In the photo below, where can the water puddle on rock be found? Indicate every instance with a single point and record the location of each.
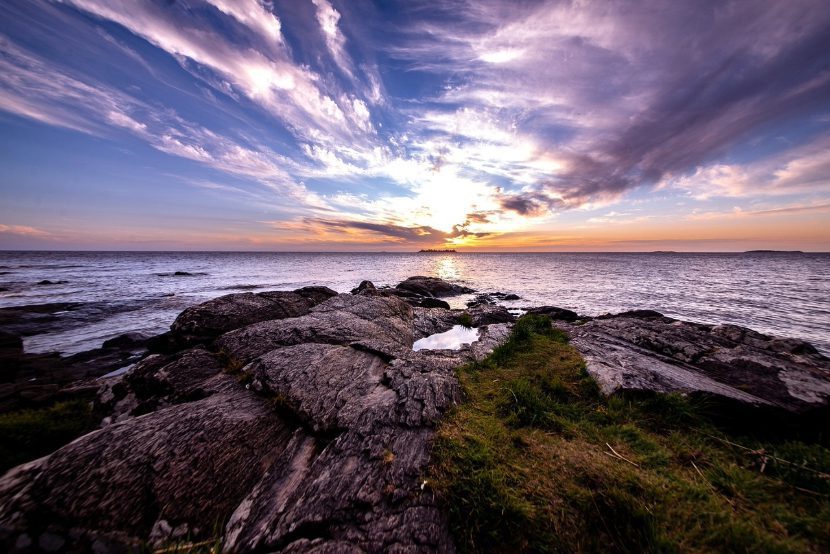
(453, 339)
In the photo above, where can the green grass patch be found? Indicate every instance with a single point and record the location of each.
(465, 320)
(537, 460)
(32, 433)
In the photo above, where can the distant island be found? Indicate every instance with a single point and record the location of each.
(773, 252)
(438, 251)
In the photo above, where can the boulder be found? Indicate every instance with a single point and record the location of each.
(429, 321)
(556, 314)
(433, 303)
(382, 323)
(366, 288)
(126, 340)
(486, 314)
(432, 286)
(206, 321)
(643, 350)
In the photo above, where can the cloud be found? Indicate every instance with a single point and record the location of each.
(802, 169)
(623, 94)
(737, 213)
(268, 76)
(32, 88)
(328, 19)
(24, 230)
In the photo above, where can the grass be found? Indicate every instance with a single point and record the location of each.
(537, 460)
(465, 320)
(32, 433)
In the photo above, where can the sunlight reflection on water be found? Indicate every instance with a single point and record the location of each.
(446, 268)
(448, 340)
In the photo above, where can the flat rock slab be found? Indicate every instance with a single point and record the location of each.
(645, 351)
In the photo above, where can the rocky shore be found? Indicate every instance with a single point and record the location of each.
(302, 421)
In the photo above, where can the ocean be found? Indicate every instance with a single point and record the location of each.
(785, 294)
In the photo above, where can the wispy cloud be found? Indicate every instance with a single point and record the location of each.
(24, 230)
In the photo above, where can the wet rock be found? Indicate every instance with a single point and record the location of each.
(126, 340)
(46, 282)
(432, 286)
(642, 350)
(491, 298)
(556, 314)
(11, 345)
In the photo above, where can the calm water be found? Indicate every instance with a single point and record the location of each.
(783, 294)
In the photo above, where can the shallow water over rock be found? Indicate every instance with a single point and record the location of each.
(453, 339)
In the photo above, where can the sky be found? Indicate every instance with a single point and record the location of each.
(497, 125)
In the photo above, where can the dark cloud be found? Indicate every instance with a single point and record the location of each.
(528, 203)
(721, 94)
(390, 230)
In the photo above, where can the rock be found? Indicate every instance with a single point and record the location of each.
(556, 314)
(383, 322)
(11, 345)
(638, 314)
(205, 322)
(48, 282)
(512, 297)
(183, 274)
(159, 381)
(429, 321)
(642, 350)
(432, 286)
(126, 340)
(323, 450)
(484, 315)
(316, 294)
(365, 288)
(192, 463)
(433, 303)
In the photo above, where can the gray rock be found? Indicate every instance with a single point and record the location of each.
(316, 294)
(156, 382)
(366, 288)
(486, 314)
(643, 350)
(383, 323)
(432, 303)
(191, 463)
(429, 321)
(556, 314)
(205, 322)
(431, 286)
(323, 450)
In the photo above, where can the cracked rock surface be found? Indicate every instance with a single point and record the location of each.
(643, 350)
(307, 429)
